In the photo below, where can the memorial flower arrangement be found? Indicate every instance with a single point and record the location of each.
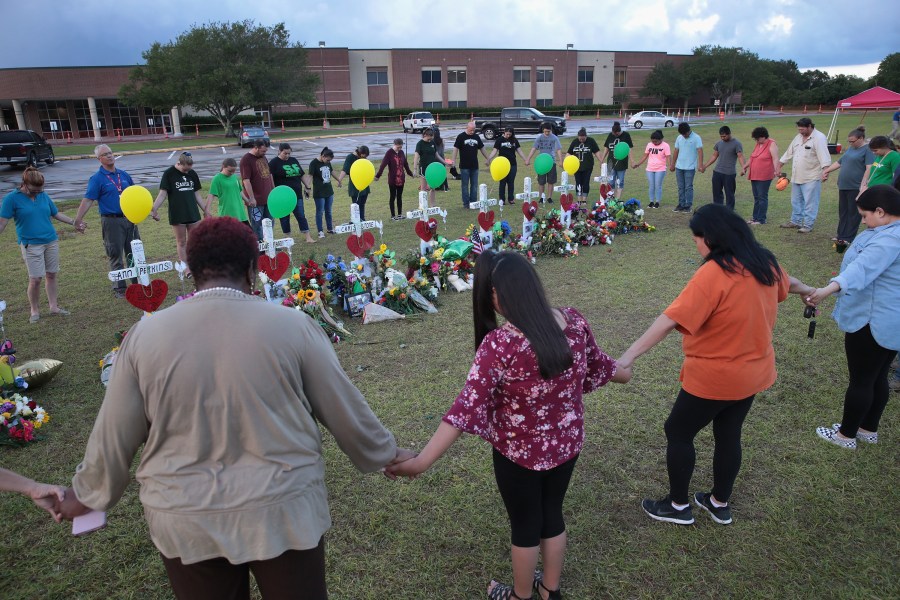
(627, 216)
(590, 226)
(552, 238)
(305, 291)
(20, 419)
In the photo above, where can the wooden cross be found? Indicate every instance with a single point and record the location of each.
(564, 187)
(487, 235)
(527, 195)
(141, 270)
(269, 244)
(423, 214)
(356, 226)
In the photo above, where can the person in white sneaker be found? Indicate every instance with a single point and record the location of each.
(868, 290)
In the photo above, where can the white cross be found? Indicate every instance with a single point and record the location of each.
(527, 195)
(141, 270)
(269, 244)
(564, 185)
(422, 214)
(356, 226)
(487, 236)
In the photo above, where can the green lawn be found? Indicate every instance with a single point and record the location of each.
(811, 520)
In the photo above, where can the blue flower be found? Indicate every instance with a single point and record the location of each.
(328, 276)
(20, 382)
(330, 257)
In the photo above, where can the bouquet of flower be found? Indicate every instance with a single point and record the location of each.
(335, 277)
(20, 418)
(627, 216)
(551, 237)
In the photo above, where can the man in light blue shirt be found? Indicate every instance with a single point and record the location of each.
(686, 158)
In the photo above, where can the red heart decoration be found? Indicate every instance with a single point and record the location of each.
(604, 190)
(486, 220)
(274, 268)
(426, 229)
(358, 244)
(529, 209)
(147, 297)
(566, 201)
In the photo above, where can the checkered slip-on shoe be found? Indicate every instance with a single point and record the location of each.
(870, 438)
(829, 434)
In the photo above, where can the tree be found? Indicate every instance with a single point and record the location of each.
(721, 71)
(223, 68)
(888, 74)
(668, 83)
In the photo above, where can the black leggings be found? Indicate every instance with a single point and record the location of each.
(396, 192)
(533, 499)
(868, 392)
(689, 415)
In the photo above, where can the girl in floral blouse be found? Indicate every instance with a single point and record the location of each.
(524, 396)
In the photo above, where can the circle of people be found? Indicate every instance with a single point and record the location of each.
(247, 493)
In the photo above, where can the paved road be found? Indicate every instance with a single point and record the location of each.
(67, 179)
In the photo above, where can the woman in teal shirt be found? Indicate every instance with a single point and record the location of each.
(31, 208)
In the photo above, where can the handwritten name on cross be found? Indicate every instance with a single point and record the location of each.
(564, 187)
(527, 196)
(141, 270)
(482, 204)
(356, 227)
(269, 244)
(423, 214)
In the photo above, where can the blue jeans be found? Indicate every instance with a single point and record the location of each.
(508, 185)
(617, 179)
(724, 182)
(805, 203)
(760, 199)
(469, 185)
(655, 180)
(300, 214)
(323, 205)
(685, 180)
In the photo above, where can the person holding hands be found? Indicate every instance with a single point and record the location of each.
(547, 143)
(44, 495)
(524, 395)
(656, 153)
(868, 290)
(760, 170)
(398, 168)
(727, 152)
(181, 185)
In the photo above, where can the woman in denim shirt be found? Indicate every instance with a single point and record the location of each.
(868, 289)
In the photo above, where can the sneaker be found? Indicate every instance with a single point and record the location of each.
(719, 514)
(542, 200)
(395, 218)
(678, 208)
(871, 438)
(829, 434)
(331, 231)
(804, 230)
(662, 510)
(321, 234)
(789, 225)
(656, 205)
(549, 200)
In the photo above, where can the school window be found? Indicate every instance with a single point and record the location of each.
(432, 105)
(619, 79)
(456, 75)
(544, 75)
(431, 75)
(378, 105)
(521, 75)
(544, 102)
(585, 101)
(456, 104)
(376, 77)
(525, 102)
(585, 74)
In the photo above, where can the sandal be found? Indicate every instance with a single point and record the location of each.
(539, 583)
(502, 591)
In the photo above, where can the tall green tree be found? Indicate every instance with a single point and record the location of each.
(888, 74)
(721, 71)
(223, 68)
(668, 83)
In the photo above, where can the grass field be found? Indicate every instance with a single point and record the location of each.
(811, 520)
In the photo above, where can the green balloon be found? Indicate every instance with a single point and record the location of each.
(620, 152)
(282, 201)
(543, 164)
(435, 175)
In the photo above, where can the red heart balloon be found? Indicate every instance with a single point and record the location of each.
(566, 201)
(274, 268)
(604, 190)
(486, 220)
(147, 297)
(426, 229)
(529, 209)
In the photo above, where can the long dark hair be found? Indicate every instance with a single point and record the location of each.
(732, 245)
(521, 296)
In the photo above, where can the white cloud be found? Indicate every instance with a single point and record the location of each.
(693, 27)
(777, 25)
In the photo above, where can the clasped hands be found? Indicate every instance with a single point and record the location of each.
(404, 464)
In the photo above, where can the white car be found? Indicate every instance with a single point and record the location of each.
(651, 118)
(417, 121)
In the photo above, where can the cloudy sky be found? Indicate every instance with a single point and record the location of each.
(833, 35)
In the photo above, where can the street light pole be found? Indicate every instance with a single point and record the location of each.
(568, 47)
(324, 97)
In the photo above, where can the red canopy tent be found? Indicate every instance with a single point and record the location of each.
(876, 97)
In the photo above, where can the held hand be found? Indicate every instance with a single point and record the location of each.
(154, 214)
(672, 169)
(411, 468)
(402, 456)
(70, 507)
(80, 227)
(817, 295)
(48, 497)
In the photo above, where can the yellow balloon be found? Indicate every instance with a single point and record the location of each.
(136, 203)
(571, 164)
(362, 173)
(500, 168)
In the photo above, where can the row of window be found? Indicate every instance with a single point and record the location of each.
(54, 117)
(585, 75)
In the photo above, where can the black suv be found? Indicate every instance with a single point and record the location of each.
(26, 148)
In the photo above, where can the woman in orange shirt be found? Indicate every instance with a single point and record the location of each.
(726, 314)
